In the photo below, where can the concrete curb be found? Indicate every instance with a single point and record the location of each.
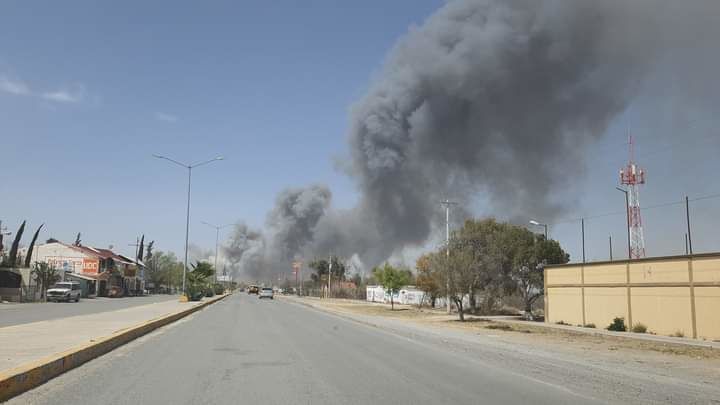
(28, 376)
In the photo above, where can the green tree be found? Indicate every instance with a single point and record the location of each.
(392, 279)
(530, 255)
(28, 257)
(198, 280)
(321, 269)
(44, 276)
(164, 269)
(12, 257)
(149, 251)
(141, 249)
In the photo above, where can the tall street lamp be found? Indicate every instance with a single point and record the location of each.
(627, 214)
(187, 217)
(217, 241)
(536, 223)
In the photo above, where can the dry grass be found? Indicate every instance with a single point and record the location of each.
(556, 336)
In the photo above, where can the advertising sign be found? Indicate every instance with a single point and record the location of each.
(91, 266)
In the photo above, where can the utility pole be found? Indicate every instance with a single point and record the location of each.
(582, 225)
(447, 204)
(687, 214)
(329, 275)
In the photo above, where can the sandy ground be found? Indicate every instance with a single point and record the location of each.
(706, 361)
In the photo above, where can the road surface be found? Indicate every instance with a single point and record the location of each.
(243, 350)
(16, 314)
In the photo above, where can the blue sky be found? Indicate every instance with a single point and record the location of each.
(90, 89)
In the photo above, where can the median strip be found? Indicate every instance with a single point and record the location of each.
(27, 376)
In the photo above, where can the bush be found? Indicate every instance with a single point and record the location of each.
(500, 326)
(562, 323)
(590, 325)
(618, 325)
(639, 328)
(219, 289)
(209, 292)
(678, 333)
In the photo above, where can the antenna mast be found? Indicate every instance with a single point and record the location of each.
(632, 176)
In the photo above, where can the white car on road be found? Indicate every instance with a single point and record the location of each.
(266, 292)
(64, 291)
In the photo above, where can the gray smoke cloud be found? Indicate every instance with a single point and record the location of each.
(490, 98)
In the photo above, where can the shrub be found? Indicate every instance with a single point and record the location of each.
(639, 328)
(618, 325)
(678, 333)
(562, 323)
(219, 288)
(590, 325)
(500, 326)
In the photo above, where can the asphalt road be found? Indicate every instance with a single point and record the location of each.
(16, 314)
(243, 350)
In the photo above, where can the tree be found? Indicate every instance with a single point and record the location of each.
(164, 269)
(149, 251)
(392, 279)
(321, 269)
(456, 273)
(44, 276)
(141, 249)
(28, 257)
(78, 242)
(198, 280)
(532, 252)
(425, 280)
(12, 257)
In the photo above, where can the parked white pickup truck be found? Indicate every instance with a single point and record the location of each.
(64, 291)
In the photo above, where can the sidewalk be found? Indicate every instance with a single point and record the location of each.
(30, 342)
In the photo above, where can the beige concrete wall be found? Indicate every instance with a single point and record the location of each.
(605, 274)
(664, 310)
(660, 291)
(707, 310)
(568, 275)
(672, 271)
(603, 304)
(566, 305)
(706, 270)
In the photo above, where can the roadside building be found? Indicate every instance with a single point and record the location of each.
(97, 270)
(408, 295)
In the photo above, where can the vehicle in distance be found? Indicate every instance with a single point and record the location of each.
(64, 291)
(253, 289)
(266, 292)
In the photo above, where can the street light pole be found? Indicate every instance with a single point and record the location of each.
(187, 215)
(627, 214)
(545, 226)
(447, 204)
(217, 242)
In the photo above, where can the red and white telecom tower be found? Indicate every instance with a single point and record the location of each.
(632, 176)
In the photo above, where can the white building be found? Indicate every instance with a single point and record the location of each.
(97, 269)
(408, 295)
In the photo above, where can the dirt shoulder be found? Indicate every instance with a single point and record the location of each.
(524, 332)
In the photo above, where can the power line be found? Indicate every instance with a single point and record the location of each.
(649, 207)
